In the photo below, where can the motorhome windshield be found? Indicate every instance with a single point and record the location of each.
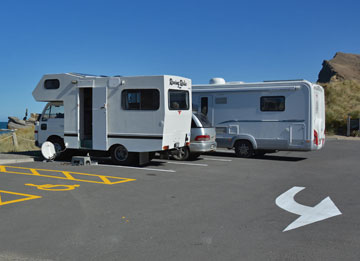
(178, 100)
(53, 111)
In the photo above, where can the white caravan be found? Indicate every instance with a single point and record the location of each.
(256, 118)
(125, 116)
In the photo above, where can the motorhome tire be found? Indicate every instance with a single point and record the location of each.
(121, 156)
(244, 149)
(183, 154)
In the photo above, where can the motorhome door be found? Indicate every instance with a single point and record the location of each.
(207, 108)
(99, 117)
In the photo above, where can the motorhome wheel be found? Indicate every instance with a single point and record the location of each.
(244, 149)
(183, 154)
(120, 155)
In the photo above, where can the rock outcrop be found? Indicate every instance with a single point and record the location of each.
(344, 66)
(16, 123)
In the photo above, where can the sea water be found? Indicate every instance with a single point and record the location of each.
(3, 125)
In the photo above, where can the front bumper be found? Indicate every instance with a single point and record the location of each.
(203, 146)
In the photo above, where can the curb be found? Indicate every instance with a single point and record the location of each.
(12, 161)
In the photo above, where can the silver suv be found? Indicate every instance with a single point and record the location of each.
(202, 138)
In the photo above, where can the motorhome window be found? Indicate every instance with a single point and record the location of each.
(141, 99)
(272, 103)
(204, 120)
(54, 112)
(178, 100)
(204, 105)
(52, 84)
(221, 100)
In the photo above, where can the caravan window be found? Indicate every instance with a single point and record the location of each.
(178, 100)
(53, 111)
(140, 99)
(52, 84)
(272, 103)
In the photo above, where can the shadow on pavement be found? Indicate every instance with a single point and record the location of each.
(265, 157)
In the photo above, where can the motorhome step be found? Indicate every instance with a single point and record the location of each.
(80, 160)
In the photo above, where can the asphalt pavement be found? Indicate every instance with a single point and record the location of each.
(216, 208)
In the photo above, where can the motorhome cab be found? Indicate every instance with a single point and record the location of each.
(126, 116)
(256, 118)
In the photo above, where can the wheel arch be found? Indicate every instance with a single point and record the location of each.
(53, 138)
(246, 137)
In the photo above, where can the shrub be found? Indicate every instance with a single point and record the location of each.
(25, 138)
(342, 98)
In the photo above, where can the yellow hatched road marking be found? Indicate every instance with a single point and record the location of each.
(68, 175)
(34, 172)
(26, 197)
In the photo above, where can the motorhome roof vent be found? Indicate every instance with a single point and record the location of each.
(217, 81)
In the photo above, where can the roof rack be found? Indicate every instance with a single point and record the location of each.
(293, 80)
(87, 75)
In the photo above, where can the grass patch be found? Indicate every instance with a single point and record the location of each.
(25, 138)
(341, 99)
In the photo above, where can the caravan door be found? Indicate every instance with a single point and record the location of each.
(99, 117)
(207, 108)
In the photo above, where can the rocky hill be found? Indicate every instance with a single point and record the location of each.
(344, 66)
(340, 78)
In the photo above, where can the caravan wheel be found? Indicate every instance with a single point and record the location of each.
(120, 155)
(244, 149)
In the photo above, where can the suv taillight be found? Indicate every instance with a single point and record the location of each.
(202, 138)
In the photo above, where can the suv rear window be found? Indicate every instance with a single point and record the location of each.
(203, 120)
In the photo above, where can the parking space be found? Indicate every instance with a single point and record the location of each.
(218, 207)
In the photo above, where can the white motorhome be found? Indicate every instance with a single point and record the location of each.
(125, 116)
(257, 118)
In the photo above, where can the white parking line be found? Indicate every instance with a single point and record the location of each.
(217, 159)
(183, 163)
(127, 167)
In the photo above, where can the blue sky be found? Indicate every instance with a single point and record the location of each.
(237, 40)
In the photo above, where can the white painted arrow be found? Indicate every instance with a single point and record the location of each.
(325, 209)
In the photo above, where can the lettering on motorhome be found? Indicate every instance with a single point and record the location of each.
(178, 83)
